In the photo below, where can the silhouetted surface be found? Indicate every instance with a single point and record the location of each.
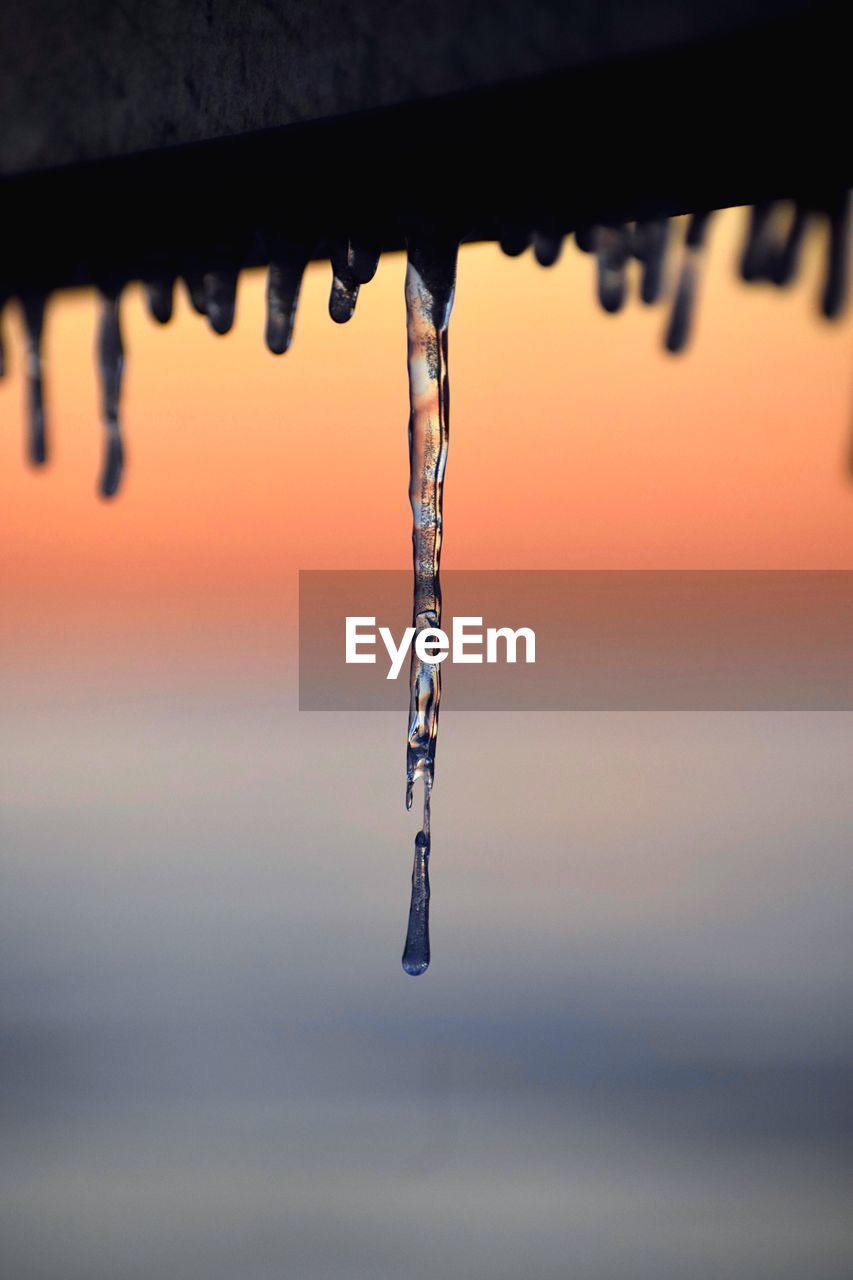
(99, 79)
(553, 116)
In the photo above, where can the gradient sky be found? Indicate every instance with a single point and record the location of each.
(575, 441)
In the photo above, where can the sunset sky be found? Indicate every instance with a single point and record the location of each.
(575, 443)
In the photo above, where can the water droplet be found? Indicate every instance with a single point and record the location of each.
(111, 367)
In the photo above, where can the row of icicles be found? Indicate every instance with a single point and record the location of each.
(771, 254)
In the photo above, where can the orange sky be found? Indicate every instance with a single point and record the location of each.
(574, 443)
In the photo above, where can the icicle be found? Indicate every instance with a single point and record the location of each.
(159, 294)
(547, 247)
(283, 284)
(586, 239)
(342, 298)
(220, 298)
(345, 286)
(111, 367)
(33, 305)
(651, 240)
(681, 317)
(362, 258)
(758, 251)
(786, 260)
(354, 263)
(514, 242)
(611, 251)
(834, 295)
(416, 950)
(196, 291)
(430, 285)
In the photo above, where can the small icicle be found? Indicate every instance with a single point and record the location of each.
(416, 950)
(611, 252)
(586, 238)
(786, 260)
(196, 291)
(345, 286)
(159, 294)
(834, 296)
(514, 242)
(342, 298)
(283, 284)
(547, 247)
(758, 251)
(681, 317)
(651, 241)
(220, 298)
(33, 306)
(111, 367)
(362, 258)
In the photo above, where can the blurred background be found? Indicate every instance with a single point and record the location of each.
(632, 1051)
